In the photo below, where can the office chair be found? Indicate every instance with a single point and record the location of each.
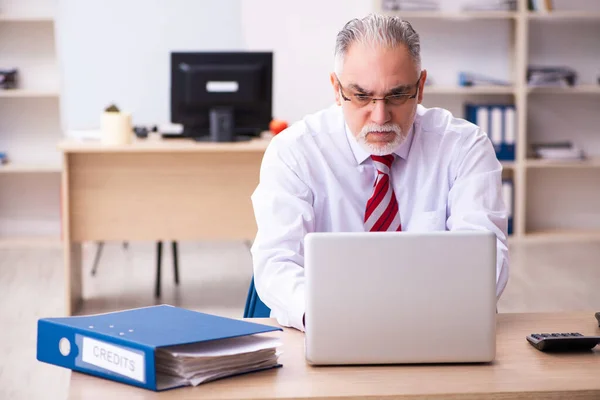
(255, 308)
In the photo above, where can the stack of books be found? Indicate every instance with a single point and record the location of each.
(540, 5)
(558, 151)
(551, 76)
(409, 5)
(490, 5)
(159, 347)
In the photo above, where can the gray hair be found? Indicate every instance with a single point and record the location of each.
(375, 29)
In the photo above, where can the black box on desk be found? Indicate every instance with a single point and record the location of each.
(8, 78)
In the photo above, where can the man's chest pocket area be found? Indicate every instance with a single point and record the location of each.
(427, 221)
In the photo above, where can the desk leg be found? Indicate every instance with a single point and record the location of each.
(73, 277)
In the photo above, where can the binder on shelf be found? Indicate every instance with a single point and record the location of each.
(158, 347)
(499, 122)
(508, 196)
(467, 79)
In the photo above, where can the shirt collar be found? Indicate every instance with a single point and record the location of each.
(361, 154)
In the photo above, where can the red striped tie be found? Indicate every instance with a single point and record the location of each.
(382, 208)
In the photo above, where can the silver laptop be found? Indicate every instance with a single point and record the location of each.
(400, 297)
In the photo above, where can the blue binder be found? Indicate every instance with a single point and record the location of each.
(500, 123)
(121, 345)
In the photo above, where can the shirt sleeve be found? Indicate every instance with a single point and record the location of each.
(284, 215)
(475, 199)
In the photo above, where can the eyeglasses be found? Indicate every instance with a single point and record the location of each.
(394, 100)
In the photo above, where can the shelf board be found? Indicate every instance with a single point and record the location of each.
(16, 168)
(508, 164)
(451, 15)
(30, 242)
(26, 18)
(578, 89)
(435, 89)
(564, 15)
(564, 235)
(17, 93)
(593, 162)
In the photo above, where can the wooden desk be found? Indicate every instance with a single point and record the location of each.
(155, 190)
(520, 371)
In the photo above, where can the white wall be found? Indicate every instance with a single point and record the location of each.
(119, 51)
(303, 39)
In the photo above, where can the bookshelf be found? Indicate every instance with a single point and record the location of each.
(32, 93)
(30, 124)
(26, 18)
(542, 210)
(15, 168)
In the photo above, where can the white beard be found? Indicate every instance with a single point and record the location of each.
(382, 149)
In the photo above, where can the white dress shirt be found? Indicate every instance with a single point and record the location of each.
(315, 177)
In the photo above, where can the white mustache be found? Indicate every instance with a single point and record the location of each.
(379, 128)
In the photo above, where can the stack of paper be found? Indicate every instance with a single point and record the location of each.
(551, 76)
(558, 151)
(196, 363)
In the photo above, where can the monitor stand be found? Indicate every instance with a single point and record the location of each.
(221, 124)
(237, 138)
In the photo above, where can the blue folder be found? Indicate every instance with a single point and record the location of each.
(502, 135)
(121, 345)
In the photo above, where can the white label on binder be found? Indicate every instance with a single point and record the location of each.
(482, 119)
(113, 358)
(508, 197)
(496, 128)
(509, 125)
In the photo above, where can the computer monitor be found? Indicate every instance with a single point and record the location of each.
(222, 96)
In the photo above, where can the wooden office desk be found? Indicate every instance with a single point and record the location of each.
(155, 190)
(520, 371)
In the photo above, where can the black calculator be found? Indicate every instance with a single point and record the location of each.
(570, 341)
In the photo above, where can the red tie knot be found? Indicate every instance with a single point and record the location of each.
(386, 160)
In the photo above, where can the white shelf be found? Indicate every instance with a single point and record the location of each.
(435, 89)
(30, 242)
(28, 43)
(459, 15)
(593, 162)
(15, 168)
(564, 15)
(578, 89)
(27, 93)
(26, 18)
